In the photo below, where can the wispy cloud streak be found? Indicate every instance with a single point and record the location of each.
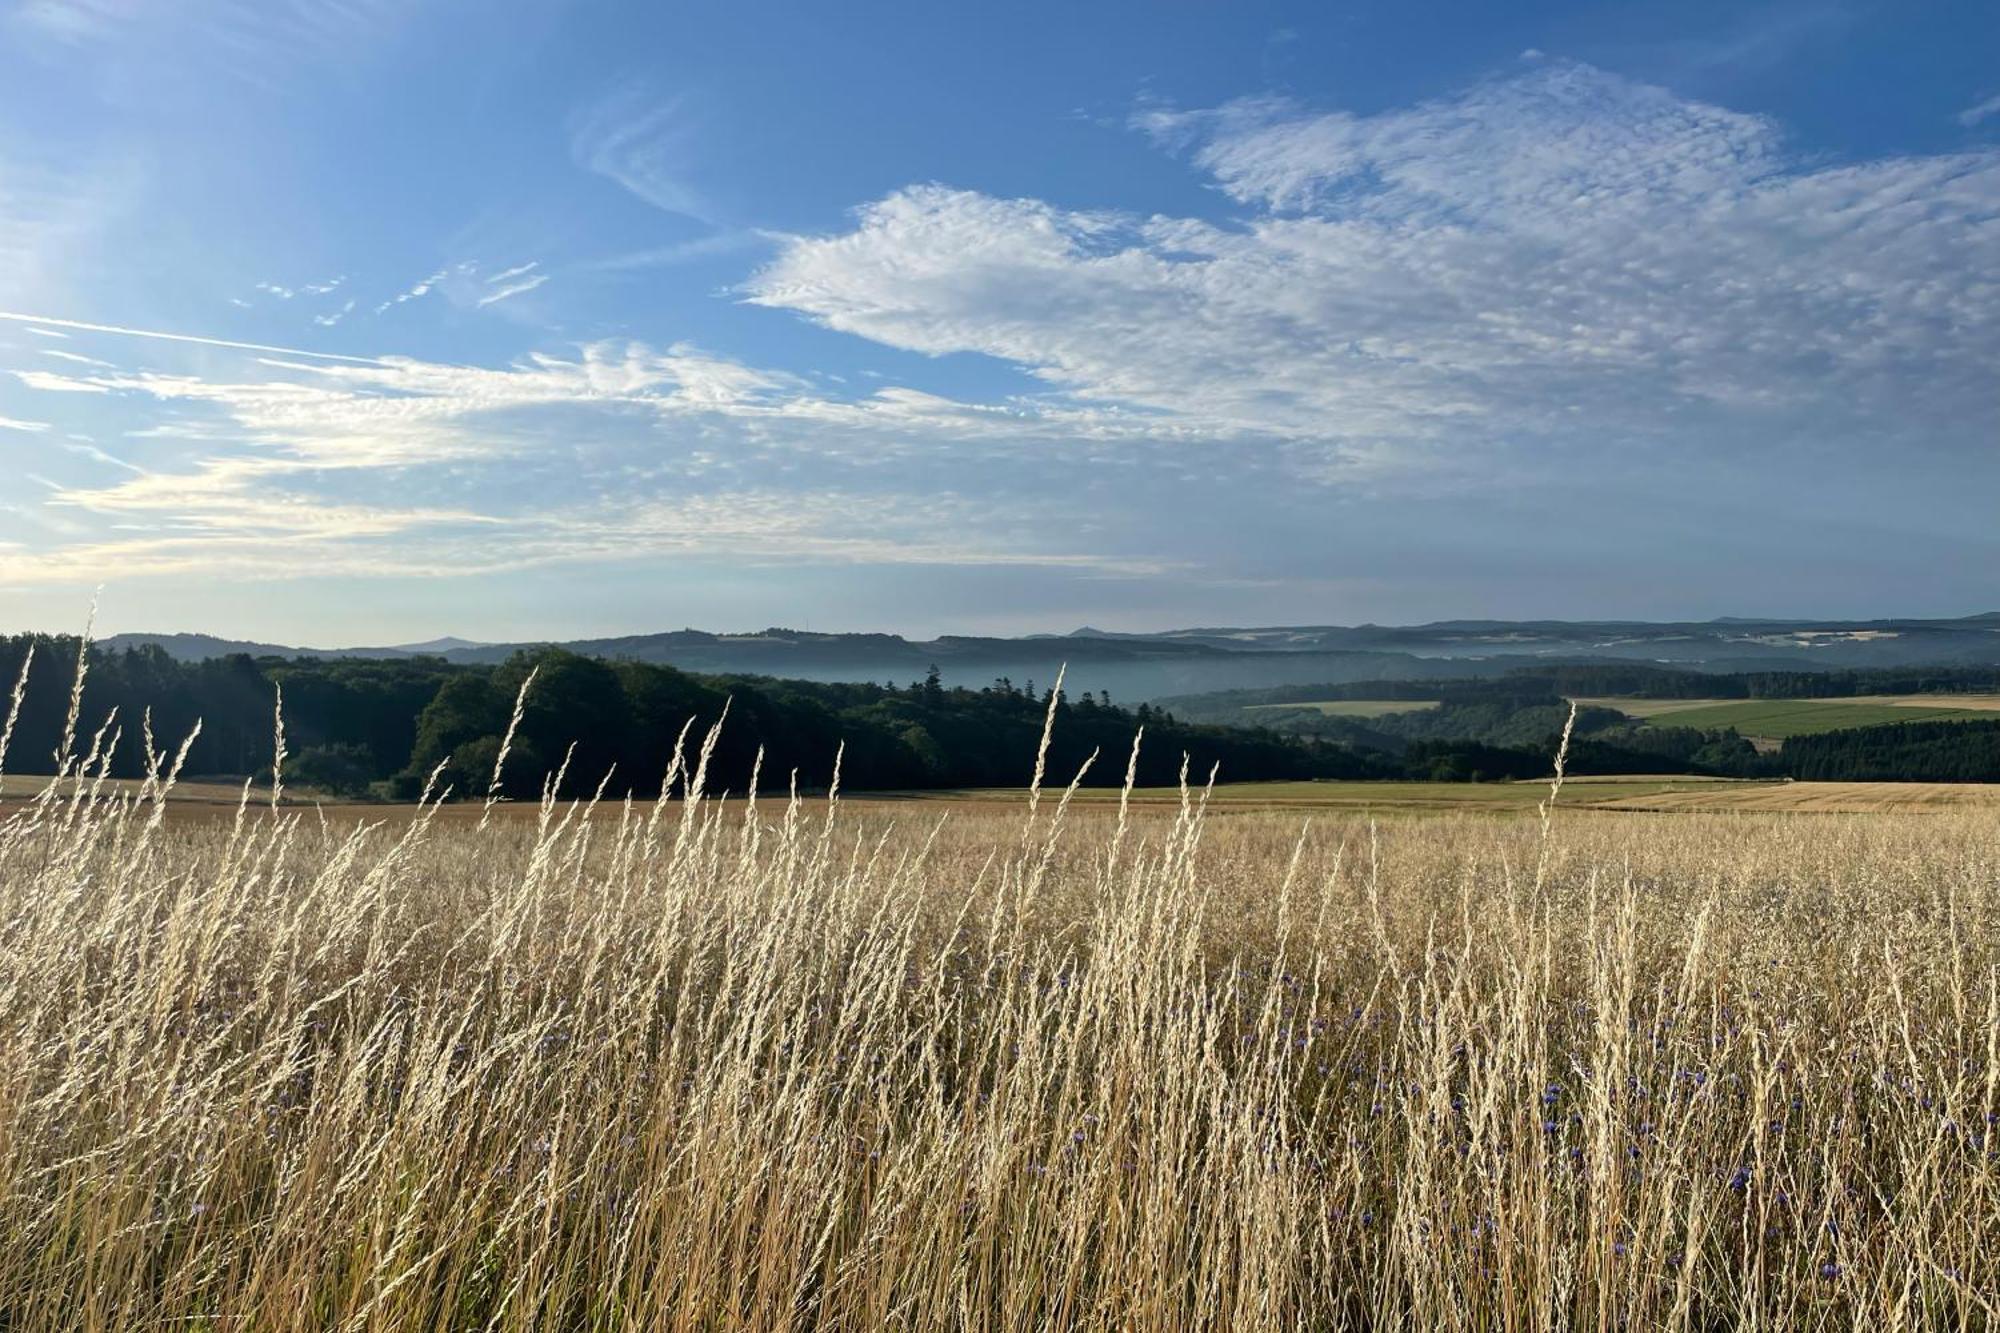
(1980, 111)
(514, 289)
(646, 145)
(334, 317)
(159, 336)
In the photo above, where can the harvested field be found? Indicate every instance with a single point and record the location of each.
(1821, 797)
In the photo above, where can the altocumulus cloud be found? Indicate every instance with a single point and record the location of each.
(1560, 257)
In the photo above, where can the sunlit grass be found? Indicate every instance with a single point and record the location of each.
(696, 1066)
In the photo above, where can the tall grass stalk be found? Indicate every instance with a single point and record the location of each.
(826, 1066)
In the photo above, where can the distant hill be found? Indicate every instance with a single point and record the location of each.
(1786, 643)
(201, 647)
(1136, 666)
(435, 647)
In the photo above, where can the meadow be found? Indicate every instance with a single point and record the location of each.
(1028, 1064)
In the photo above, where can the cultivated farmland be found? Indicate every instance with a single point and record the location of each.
(1775, 719)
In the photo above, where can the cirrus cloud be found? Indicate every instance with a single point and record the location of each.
(616, 451)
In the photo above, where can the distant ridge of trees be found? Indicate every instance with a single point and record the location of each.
(1614, 680)
(361, 726)
(357, 725)
(1520, 712)
(1898, 752)
(1643, 682)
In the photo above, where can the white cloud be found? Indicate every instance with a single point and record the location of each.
(1561, 256)
(748, 529)
(1979, 111)
(123, 331)
(15, 423)
(514, 289)
(334, 317)
(514, 272)
(75, 358)
(272, 289)
(422, 288)
(79, 445)
(50, 382)
(620, 450)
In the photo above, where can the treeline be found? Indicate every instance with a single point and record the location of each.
(1517, 734)
(627, 717)
(358, 727)
(1508, 727)
(1476, 741)
(1651, 682)
(370, 706)
(381, 728)
(1608, 680)
(1898, 752)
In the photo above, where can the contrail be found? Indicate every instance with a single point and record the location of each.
(183, 338)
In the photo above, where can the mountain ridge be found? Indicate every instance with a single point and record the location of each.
(1221, 657)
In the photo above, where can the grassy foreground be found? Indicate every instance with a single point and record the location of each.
(1027, 1067)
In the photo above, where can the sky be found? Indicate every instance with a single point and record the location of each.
(367, 321)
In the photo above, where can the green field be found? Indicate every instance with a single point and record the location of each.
(1354, 707)
(1776, 719)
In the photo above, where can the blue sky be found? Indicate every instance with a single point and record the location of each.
(548, 320)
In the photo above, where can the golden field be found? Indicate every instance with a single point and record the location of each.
(213, 800)
(995, 1065)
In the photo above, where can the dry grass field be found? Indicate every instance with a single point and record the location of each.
(1682, 794)
(210, 796)
(212, 801)
(983, 1065)
(1822, 798)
